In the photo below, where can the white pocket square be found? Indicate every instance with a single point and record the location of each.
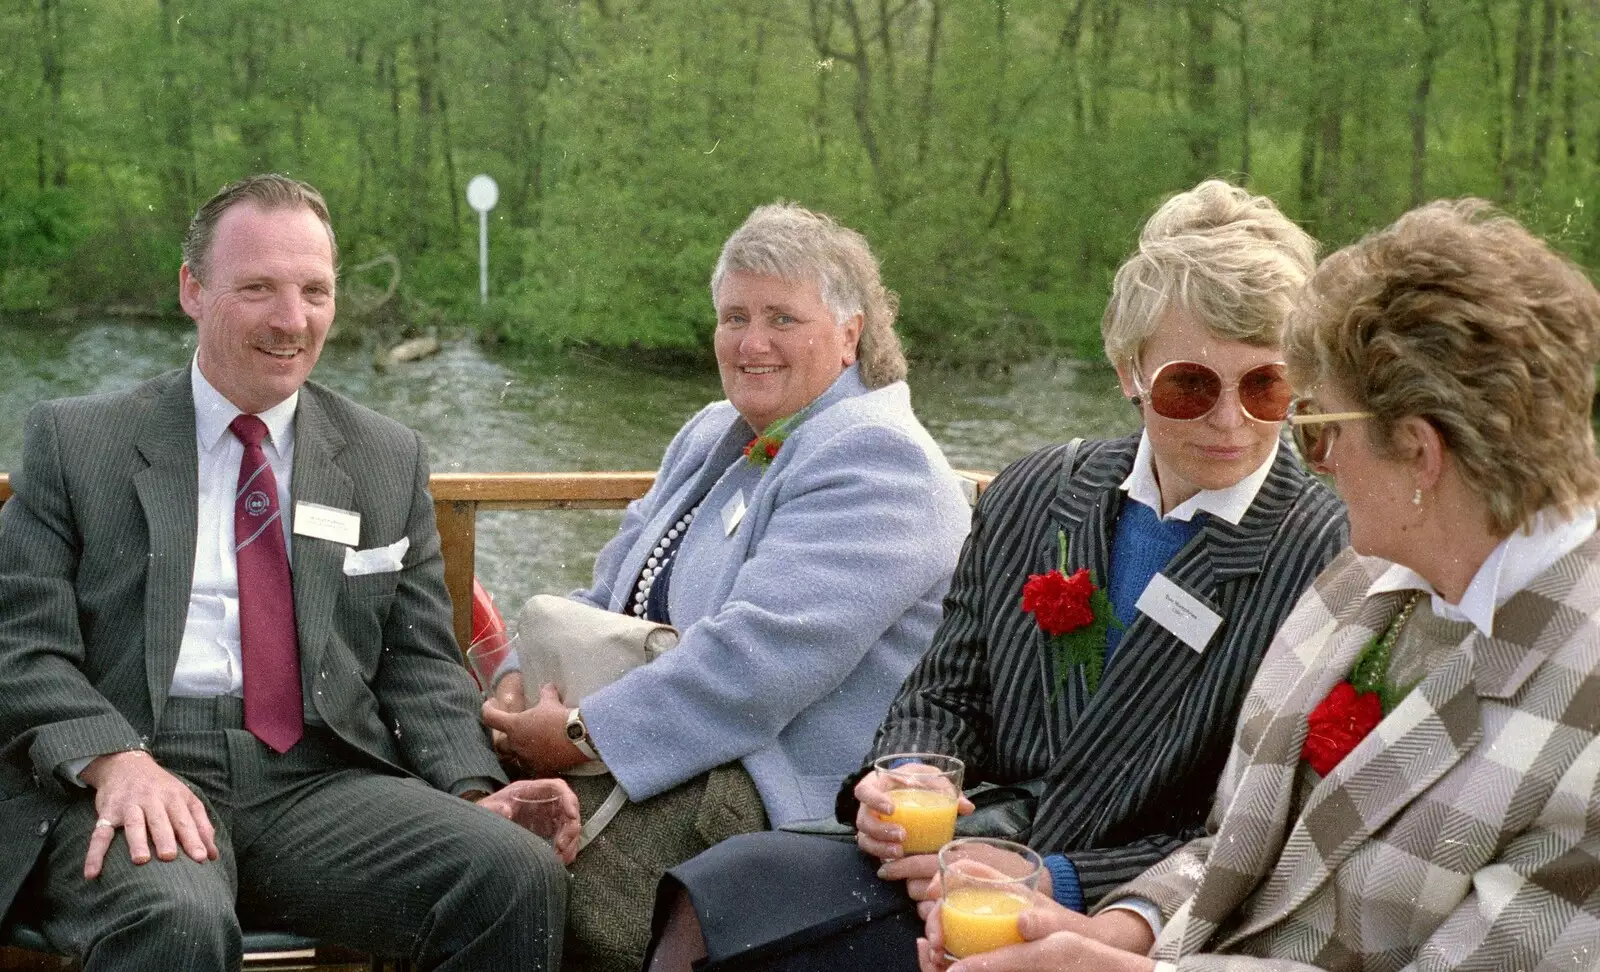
(378, 560)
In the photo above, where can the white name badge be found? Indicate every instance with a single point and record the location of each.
(327, 523)
(1179, 612)
(732, 513)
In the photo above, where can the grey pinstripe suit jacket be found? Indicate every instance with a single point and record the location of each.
(1131, 770)
(1461, 835)
(97, 549)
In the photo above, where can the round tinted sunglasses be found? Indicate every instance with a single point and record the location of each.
(1188, 390)
(1314, 430)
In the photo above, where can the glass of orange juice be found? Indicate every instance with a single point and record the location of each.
(924, 788)
(986, 884)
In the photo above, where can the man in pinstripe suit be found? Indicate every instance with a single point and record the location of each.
(160, 776)
(1204, 511)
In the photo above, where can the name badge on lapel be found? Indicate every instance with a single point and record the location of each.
(1179, 612)
(732, 513)
(327, 523)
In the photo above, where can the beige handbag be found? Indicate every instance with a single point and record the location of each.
(582, 649)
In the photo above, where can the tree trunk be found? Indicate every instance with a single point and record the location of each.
(1497, 133)
(1315, 44)
(52, 56)
(178, 176)
(1246, 94)
(1521, 75)
(1544, 95)
(1419, 103)
(1107, 16)
(925, 107)
(1201, 17)
(421, 176)
(1569, 84)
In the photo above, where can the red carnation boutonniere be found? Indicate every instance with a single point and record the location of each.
(1338, 724)
(1075, 614)
(1356, 705)
(761, 450)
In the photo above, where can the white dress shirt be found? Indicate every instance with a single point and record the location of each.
(208, 659)
(1230, 504)
(1509, 568)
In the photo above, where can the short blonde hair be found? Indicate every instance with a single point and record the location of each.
(1227, 257)
(791, 242)
(1458, 315)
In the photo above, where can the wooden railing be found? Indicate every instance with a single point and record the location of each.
(457, 498)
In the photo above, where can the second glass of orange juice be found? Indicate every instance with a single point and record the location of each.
(985, 885)
(925, 788)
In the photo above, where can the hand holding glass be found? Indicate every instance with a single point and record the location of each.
(925, 788)
(986, 886)
(486, 655)
(546, 807)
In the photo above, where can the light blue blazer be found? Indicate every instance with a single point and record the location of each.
(799, 625)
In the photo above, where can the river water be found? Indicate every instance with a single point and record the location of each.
(484, 411)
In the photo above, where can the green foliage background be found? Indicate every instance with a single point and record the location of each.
(999, 154)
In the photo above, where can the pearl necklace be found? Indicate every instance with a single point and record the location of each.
(657, 562)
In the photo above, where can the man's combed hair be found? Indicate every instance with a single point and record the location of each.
(1219, 253)
(269, 191)
(795, 244)
(1458, 315)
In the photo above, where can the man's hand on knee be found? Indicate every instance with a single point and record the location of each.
(151, 806)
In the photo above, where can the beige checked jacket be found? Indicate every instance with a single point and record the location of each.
(1462, 834)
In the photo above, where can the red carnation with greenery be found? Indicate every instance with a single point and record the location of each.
(1338, 724)
(1356, 705)
(1075, 614)
(761, 450)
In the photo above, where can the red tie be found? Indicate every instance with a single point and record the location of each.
(267, 637)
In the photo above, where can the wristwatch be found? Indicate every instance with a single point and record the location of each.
(578, 734)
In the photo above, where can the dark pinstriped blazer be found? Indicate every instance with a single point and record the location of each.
(97, 549)
(1130, 771)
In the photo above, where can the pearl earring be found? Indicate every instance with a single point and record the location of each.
(1416, 498)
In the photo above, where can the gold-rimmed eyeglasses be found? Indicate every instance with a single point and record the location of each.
(1314, 430)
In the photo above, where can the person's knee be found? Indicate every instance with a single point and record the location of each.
(178, 913)
(192, 908)
(522, 870)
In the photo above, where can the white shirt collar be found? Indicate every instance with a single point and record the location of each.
(1508, 569)
(213, 413)
(1229, 504)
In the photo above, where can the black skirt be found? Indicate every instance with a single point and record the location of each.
(778, 901)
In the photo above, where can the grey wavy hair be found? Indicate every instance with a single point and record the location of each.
(269, 191)
(793, 243)
(1224, 255)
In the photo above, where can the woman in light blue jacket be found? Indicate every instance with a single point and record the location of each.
(800, 535)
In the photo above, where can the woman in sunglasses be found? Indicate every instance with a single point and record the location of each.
(1415, 781)
(1198, 534)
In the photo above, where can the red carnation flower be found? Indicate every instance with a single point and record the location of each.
(772, 448)
(1059, 603)
(1338, 724)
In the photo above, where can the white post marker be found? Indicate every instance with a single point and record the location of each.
(482, 194)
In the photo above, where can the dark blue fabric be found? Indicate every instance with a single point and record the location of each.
(1064, 884)
(1142, 545)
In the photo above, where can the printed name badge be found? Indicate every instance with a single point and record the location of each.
(732, 513)
(327, 523)
(1179, 612)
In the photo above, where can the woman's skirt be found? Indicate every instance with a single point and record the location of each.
(608, 906)
(780, 901)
